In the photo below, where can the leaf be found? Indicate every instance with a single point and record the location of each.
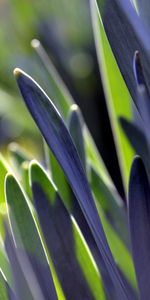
(3, 289)
(6, 292)
(120, 252)
(19, 160)
(75, 125)
(138, 69)
(20, 285)
(143, 96)
(114, 220)
(126, 34)
(111, 204)
(107, 138)
(25, 178)
(58, 89)
(68, 251)
(58, 176)
(58, 138)
(3, 171)
(4, 263)
(63, 100)
(139, 220)
(73, 207)
(144, 11)
(26, 237)
(137, 140)
(18, 154)
(116, 93)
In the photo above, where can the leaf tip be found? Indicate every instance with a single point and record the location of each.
(17, 72)
(34, 168)
(74, 107)
(35, 43)
(137, 168)
(138, 69)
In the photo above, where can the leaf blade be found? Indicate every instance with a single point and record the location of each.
(139, 216)
(58, 138)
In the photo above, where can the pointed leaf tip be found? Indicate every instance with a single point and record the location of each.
(137, 166)
(74, 107)
(17, 72)
(58, 138)
(35, 43)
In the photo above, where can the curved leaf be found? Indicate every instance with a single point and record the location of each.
(63, 98)
(59, 140)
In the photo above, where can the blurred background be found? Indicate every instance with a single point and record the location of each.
(64, 28)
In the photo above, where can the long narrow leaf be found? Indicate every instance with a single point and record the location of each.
(139, 218)
(58, 138)
(27, 237)
(74, 208)
(126, 34)
(55, 221)
(117, 96)
(76, 125)
(62, 95)
(20, 285)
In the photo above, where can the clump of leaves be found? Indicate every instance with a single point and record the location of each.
(64, 232)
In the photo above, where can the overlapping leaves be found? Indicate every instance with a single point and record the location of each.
(54, 241)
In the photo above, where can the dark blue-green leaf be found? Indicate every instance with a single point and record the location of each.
(59, 140)
(137, 139)
(139, 220)
(126, 34)
(76, 125)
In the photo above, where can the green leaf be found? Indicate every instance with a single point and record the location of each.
(126, 34)
(17, 156)
(4, 168)
(111, 204)
(3, 288)
(120, 252)
(58, 176)
(26, 235)
(4, 264)
(114, 221)
(81, 252)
